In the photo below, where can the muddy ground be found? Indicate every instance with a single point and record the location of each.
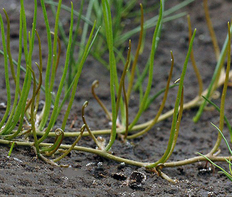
(90, 175)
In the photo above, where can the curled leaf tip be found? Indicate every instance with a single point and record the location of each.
(95, 84)
(85, 104)
(177, 80)
(59, 132)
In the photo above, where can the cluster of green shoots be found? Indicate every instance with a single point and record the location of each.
(121, 12)
(23, 125)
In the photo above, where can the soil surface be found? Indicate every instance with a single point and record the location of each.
(90, 175)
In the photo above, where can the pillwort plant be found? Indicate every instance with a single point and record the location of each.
(24, 125)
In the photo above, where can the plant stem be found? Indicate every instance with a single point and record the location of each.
(221, 124)
(212, 84)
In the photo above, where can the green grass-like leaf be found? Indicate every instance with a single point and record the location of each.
(225, 118)
(155, 41)
(113, 71)
(171, 142)
(61, 85)
(229, 176)
(217, 71)
(6, 75)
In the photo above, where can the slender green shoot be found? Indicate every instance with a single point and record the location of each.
(74, 83)
(221, 124)
(216, 73)
(8, 46)
(122, 80)
(85, 30)
(54, 50)
(126, 110)
(77, 76)
(112, 62)
(211, 30)
(175, 119)
(198, 75)
(130, 85)
(37, 92)
(153, 21)
(225, 118)
(19, 112)
(75, 36)
(40, 67)
(56, 104)
(48, 96)
(17, 87)
(155, 96)
(8, 105)
(229, 176)
(227, 144)
(151, 64)
(177, 124)
(11, 148)
(32, 118)
(161, 106)
(29, 103)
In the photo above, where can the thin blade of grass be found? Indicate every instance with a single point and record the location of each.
(48, 96)
(223, 97)
(19, 112)
(113, 71)
(225, 118)
(151, 64)
(152, 99)
(8, 47)
(161, 106)
(136, 56)
(75, 36)
(77, 76)
(227, 144)
(223, 171)
(122, 80)
(61, 85)
(176, 109)
(151, 22)
(8, 104)
(217, 70)
(196, 70)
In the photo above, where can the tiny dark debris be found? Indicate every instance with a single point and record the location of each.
(136, 180)
(205, 171)
(181, 171)
(99, 173)
(119, 176)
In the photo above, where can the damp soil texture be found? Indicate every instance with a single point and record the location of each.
(90, 175)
